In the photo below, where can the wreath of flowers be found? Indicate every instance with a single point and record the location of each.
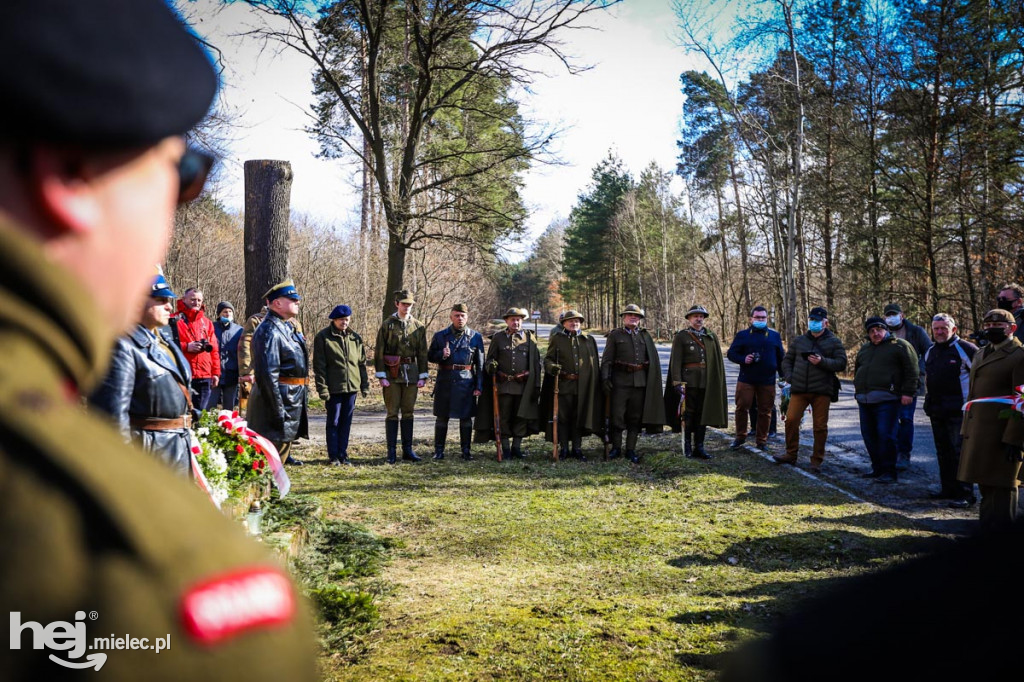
(227, 458)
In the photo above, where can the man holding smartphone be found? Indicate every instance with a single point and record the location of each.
(811, 364)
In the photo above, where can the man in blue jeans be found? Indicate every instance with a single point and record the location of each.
(918, 338)
(885, 379)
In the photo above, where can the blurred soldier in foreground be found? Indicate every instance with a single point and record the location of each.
(459, 354)
(513, 363)
(696, 364)
(277, 405)
(146, 390)
(400, 357)
(631, 372)
(99, 538)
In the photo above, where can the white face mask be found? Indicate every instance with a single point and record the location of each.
(893, 320)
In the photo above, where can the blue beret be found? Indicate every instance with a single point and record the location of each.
(101, 74)
(161, 289)
(340, 311)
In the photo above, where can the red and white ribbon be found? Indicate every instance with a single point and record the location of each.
(230, 421)
(1015, 401)
(197, 471)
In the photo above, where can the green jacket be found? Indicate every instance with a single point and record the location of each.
(339, 363)
(688, 348)
(96, 525)
(406, 341)
(891, 366)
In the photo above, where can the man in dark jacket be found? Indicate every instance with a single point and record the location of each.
(147, 386)
(198, 340)
(631, 372)
(810, 367)
(228, 334)
(339, 369)
(885, 378)
(459, 354)
(277, 406)
(759, 353)
(1011, 298)
(918, 338)
(947, 371)
(513, 362)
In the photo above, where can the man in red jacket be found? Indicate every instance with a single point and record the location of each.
(198, 341)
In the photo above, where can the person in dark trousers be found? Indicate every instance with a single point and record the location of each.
(811, 365)
(339, 371)
(993, 434)
(228, 335)
(917, 337)
(947, 372)
(458, 352)
(885, 378)
(759, 353)
(696, 373)
(198, 340)
(572, 357)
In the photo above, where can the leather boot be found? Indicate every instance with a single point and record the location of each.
(391, 436)
(631, 454)
(407, 453)
(466, 437)
(688, 442)
(505, 450)
(517, 450)
(577, 449)
(698, 442)
(440, 436)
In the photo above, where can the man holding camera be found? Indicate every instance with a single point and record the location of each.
(759, 353)
(810, 366)
(198, 341)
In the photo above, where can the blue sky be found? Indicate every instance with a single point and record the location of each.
(629, 102)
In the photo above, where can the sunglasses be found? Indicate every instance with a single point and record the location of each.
(193, 169)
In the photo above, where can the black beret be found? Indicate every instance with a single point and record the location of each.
(100, 74)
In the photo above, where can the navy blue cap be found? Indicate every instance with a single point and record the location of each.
(161, 289)
(285, 289)
(818, 313)
(340, 311)
(100, 74)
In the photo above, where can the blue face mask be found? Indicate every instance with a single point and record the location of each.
(760, 324)
(815, 326)
(225, 320)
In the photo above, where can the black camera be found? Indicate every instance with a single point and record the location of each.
(206, 347)
(978, 337)
(757, 357)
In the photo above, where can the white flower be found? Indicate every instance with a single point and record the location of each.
(203, 431)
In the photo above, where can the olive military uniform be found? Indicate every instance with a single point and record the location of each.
(92, 524)
(579, 389)
(697, 363)
(517, 375)
(400, 357)
(631, 370)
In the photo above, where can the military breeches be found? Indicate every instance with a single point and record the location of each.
(628, 408)
(511, 424)
(400, 398)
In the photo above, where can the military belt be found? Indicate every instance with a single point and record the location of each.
(630, 367)
(292, 381)
(457, 368)
(691, 365)
(518, 378)
(156, 424)
(569, 377)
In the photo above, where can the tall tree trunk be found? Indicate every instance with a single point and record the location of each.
(268, 191)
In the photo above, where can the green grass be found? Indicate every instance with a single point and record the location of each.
(590, 571)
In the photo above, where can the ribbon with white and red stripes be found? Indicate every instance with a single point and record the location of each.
(1014, 401)
(197, 471)
(230, 421)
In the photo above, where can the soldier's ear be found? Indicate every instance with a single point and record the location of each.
(63, 192)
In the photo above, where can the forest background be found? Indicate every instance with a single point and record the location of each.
(832, 152)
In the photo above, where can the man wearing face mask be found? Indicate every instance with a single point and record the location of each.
(918, 338)
(758, 351)
(993, 440)
(228, 334)
(1011, 298)
(810, 366)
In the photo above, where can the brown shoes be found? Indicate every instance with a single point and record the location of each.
(784, 460)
